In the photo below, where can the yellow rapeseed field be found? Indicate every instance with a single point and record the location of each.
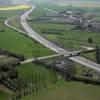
(15, 7)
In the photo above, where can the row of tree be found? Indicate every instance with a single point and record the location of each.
(87, 80)
(35, 83)
(98, 54)
(66, 69)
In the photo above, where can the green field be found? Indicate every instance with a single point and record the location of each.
(18, 43)
(69, 32)
(3, 95)
(27, 70)
(67, 91)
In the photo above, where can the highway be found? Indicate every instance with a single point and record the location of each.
(31, 33)
(48, 44)
(36, 36)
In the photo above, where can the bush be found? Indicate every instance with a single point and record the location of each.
(90, 40)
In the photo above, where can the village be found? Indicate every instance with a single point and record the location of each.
(74, 17)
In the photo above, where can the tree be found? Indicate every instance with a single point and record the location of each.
(69, 69)
(90, 40)
(98, 54)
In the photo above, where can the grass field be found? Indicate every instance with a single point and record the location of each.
(67, 91)
(7, 14)
(18, 43)
(69, 38)
(27, 70)
(15, 21)
(62, 90)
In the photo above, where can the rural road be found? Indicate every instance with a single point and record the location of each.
(32, 34)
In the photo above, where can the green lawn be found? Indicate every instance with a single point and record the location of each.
(67, 91)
